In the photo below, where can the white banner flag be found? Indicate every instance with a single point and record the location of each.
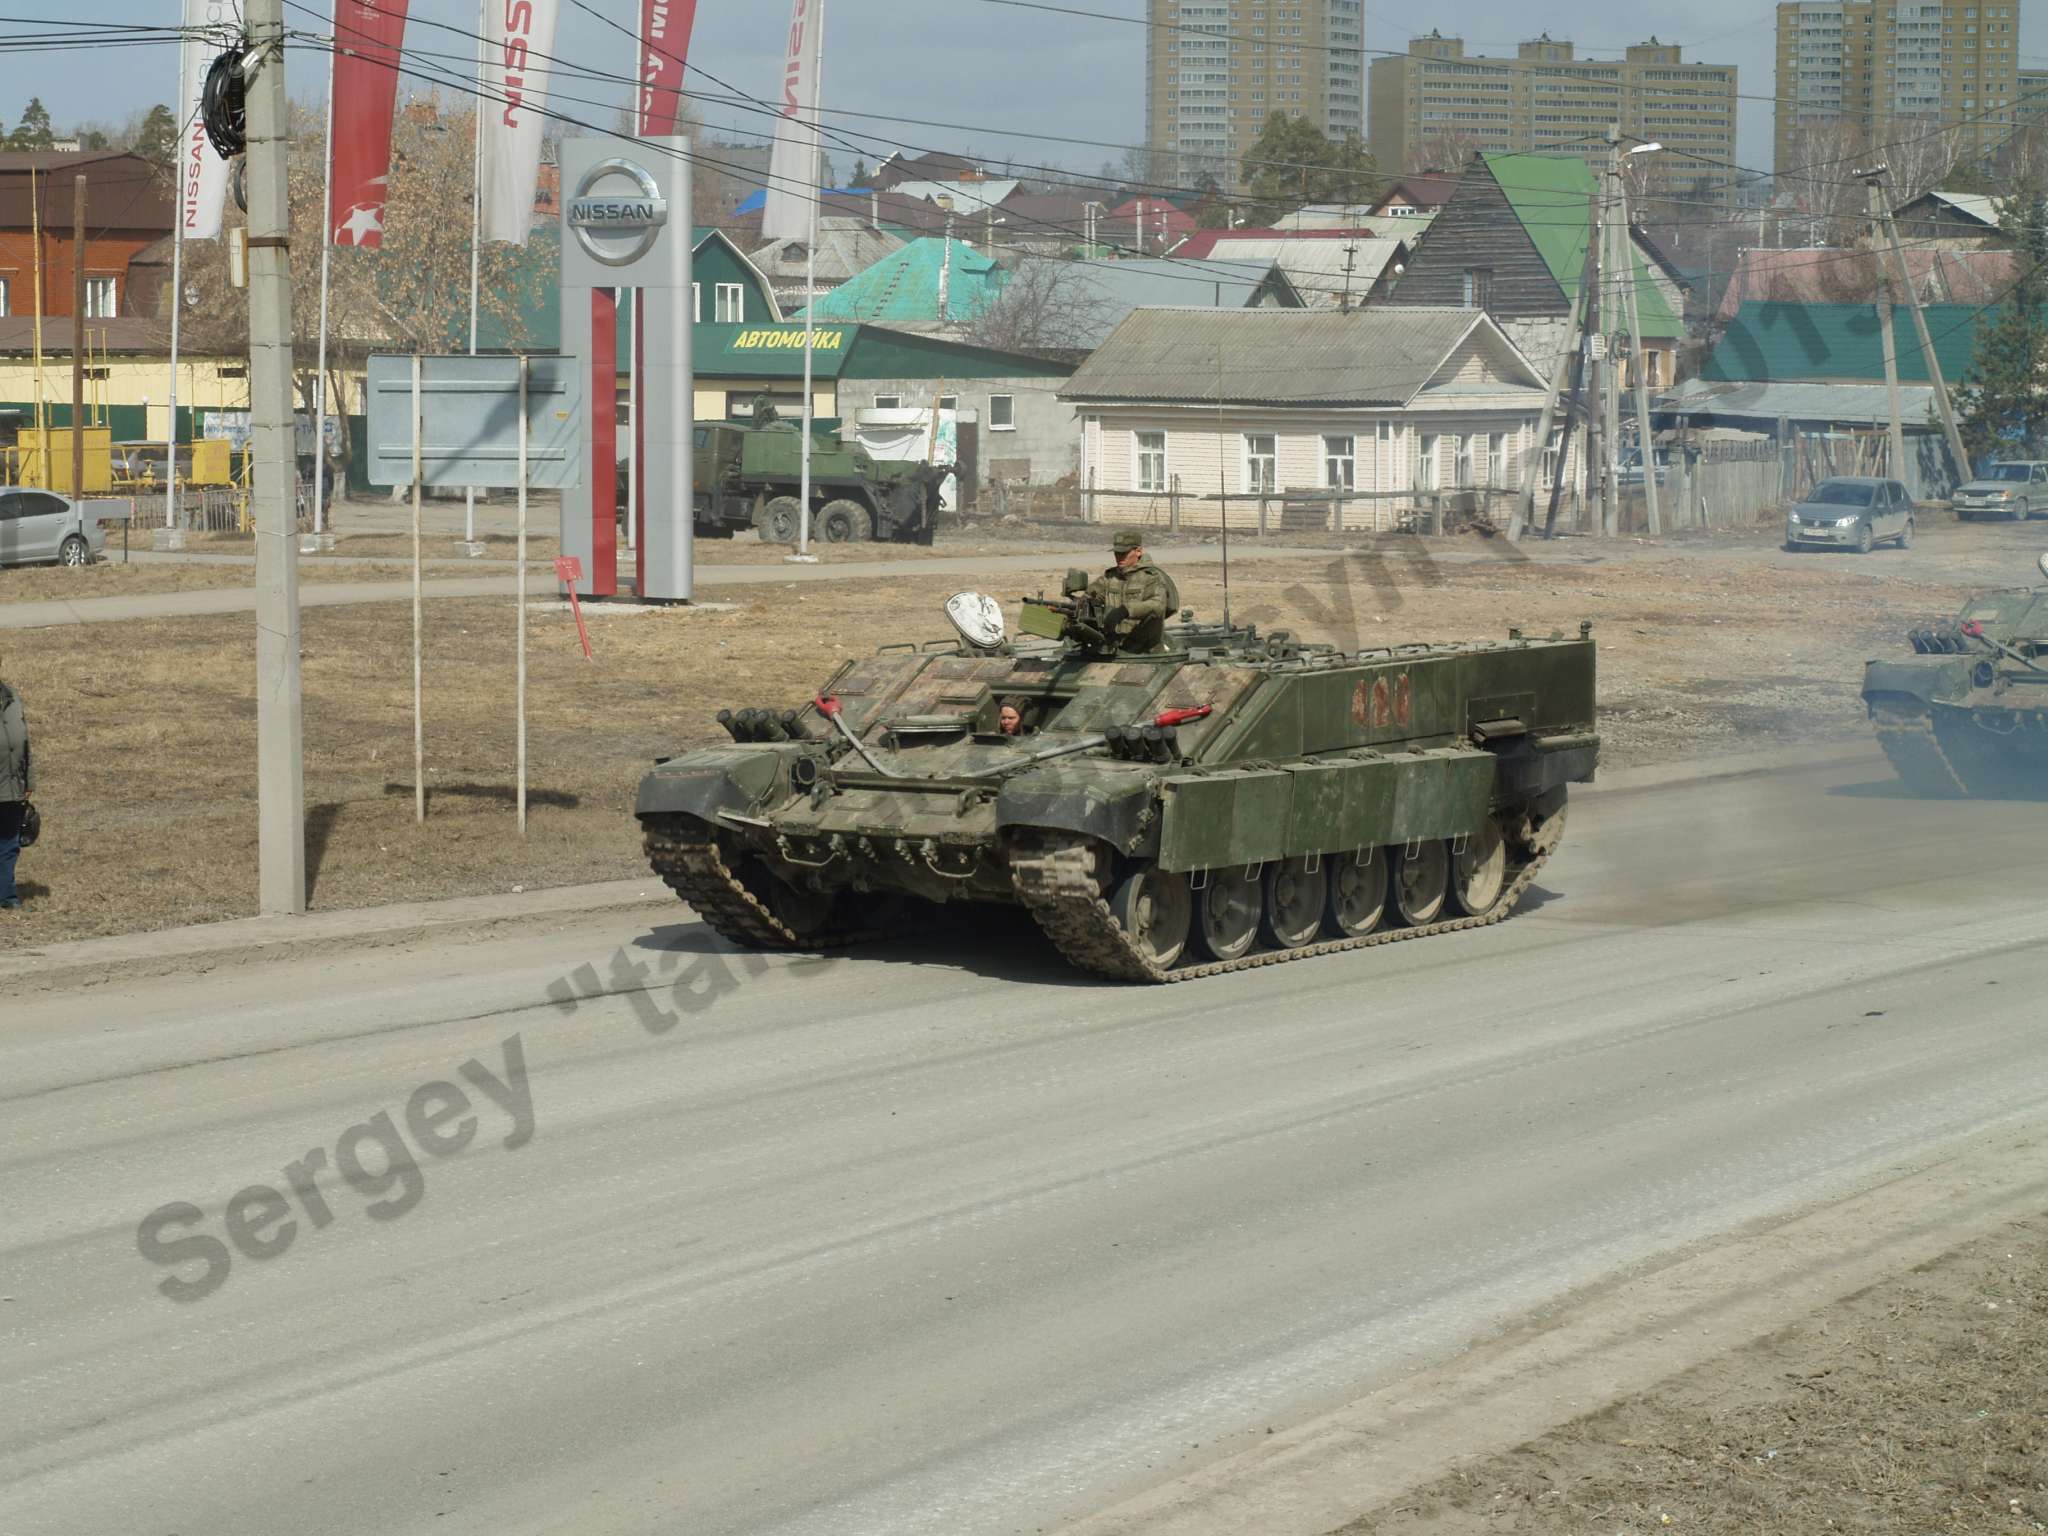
(793, 163)
(519, 38)
(210, 25)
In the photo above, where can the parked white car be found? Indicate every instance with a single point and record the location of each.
(43, 528)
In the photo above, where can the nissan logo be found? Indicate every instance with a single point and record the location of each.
(617, 212)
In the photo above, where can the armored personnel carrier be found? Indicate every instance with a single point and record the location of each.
(1234, 799)
(1967, 713)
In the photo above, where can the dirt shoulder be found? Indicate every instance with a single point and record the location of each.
(145, 739)
(1913, 1406)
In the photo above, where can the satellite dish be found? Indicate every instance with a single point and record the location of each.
(978, 617)
(2043, 563)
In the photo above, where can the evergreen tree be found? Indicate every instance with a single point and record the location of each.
(2003, 400)
(861, 174)
(157, 139)
(33, 132)
(1292, 165)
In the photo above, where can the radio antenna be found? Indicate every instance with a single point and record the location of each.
(1222, 488)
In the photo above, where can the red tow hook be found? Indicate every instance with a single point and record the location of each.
(1180, 716)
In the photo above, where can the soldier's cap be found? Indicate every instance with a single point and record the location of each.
(1126, 540)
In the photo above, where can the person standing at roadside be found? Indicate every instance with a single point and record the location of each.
(17, 783)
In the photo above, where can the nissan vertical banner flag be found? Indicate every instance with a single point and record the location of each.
(793, 163)
(367, 35)
(519, 38)
(202, 175)
(664, 45)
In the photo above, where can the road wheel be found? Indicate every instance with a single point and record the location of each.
(1294, 902)
(1422, 880)
(845, 522)
(2019, 511)
(75, 551)
(1153, 907)
(1906, 535)
(1358, 893)
(1479, 872)
(1227, 913)
(1863, 539)
(781, 521)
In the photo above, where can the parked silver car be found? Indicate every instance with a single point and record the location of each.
(2016, 490)
(1851, 512)
(41, 527)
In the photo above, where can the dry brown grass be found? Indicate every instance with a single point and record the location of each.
(1913, 1406)
(146, 739)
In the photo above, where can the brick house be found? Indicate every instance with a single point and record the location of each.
(128, 210)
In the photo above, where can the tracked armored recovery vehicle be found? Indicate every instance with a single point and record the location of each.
(1232, 800)
(1967, 713)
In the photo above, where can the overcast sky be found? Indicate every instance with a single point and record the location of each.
(1002, 72)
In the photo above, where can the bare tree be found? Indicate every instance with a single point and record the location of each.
(1443, 149)
(1047, 306)
(412, 294)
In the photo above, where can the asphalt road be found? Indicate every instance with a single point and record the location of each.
(942, 1237)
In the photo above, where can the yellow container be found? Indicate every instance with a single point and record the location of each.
(210, 466)
(46, 460)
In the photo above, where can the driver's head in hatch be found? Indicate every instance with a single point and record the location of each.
(1010, 719)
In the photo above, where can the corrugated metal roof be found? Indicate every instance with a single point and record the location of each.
(1973, 205)
(1102, 293)
(1845, 404)
(906, 285)
(1316, 265)
(1377, 356)
(1780, 342)
(1827, 275)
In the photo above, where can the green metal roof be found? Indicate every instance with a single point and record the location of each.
(905, 285)
(1768, 342)
(853, 352)
(1550, 195)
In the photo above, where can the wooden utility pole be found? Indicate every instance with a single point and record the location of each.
(1875, 176)
(1566, 367)
(78, 336)
(1884, 330)
(280, 758)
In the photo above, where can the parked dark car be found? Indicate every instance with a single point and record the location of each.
(1851, 512)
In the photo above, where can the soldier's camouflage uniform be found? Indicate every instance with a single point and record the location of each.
(1148, 598)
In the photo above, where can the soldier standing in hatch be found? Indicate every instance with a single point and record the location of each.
(1138, 595)
(17, 782)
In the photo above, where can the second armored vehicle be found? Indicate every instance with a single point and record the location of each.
(751, 477)
(1232, 800)
(1967, 713)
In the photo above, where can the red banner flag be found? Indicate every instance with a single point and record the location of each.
(664, 45)
(367, 34)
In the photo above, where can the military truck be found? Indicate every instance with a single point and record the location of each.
(1967, 713)
(1233, 799)
(750, 477)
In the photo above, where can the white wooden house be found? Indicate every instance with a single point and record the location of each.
(1349, 421)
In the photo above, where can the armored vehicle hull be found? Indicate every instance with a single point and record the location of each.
(1967, 713)
(1225, 803)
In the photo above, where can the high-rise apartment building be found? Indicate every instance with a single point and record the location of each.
(1438, 102)
(1215, 70)
(1851, 74)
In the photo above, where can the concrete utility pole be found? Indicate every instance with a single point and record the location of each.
(1884, 328)
(1875, 176)
(1566, 367)
(1607, 408)
(280, 747)
(77, 336)
(1625, 239)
